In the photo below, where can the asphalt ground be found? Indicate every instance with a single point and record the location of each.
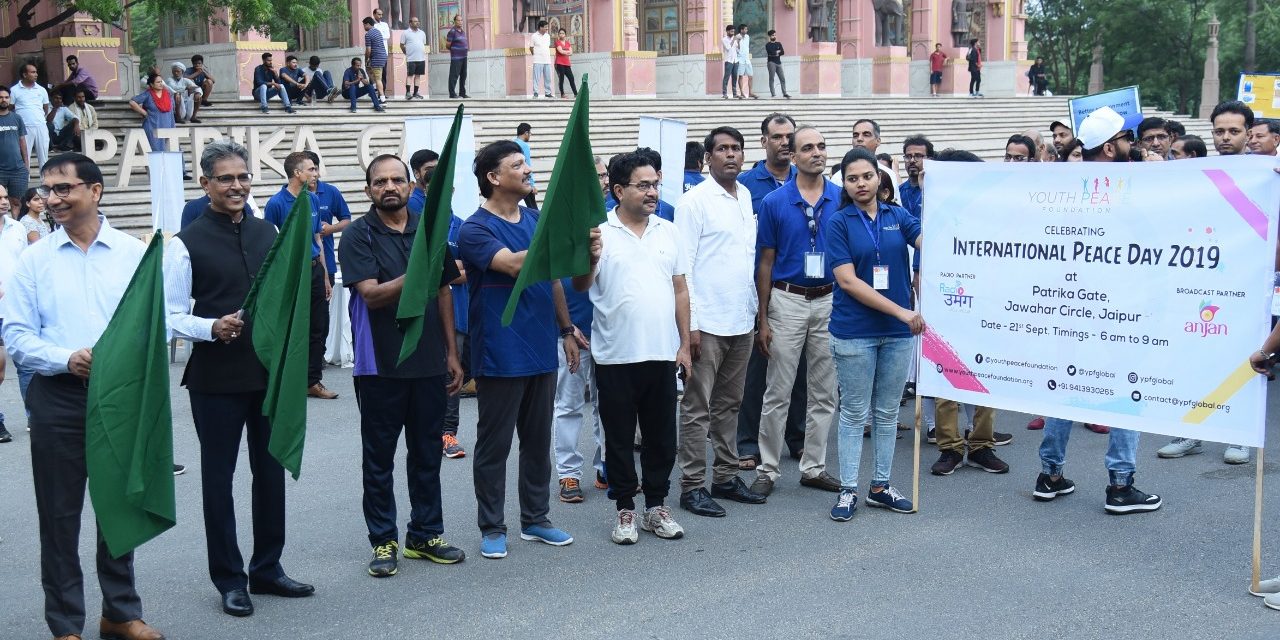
(980, 560)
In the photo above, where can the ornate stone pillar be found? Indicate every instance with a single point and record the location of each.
(1209, 86)
(634, 71)
(820, 64)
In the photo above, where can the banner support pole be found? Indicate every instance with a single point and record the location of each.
(915, 472)
(1257, 525)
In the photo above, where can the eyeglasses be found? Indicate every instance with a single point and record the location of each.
(603, 175)
(643, 186)
(227, 179)
(1015, 158)
(61, 190)
(913, 157)
(1156, 137)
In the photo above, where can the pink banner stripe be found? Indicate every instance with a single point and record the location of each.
(939, 351)
(1243, 205)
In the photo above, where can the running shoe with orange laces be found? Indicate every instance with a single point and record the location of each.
(451, 447)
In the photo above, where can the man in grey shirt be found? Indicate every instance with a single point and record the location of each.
(13, 149)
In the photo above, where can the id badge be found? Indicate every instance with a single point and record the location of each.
(880, 277)
(815, 264)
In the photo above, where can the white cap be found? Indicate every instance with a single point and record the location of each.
(1102, 125)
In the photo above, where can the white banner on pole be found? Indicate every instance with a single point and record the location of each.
(430, 132)
(167, 196)
(668, 137)
(1125, 294)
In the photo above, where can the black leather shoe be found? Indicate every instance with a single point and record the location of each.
(236, 602)
(699, 502)
(737, 491)
(284, 586)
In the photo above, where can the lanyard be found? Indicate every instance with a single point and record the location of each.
(813, 226)
(875, 236)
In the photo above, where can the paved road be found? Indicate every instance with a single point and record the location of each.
(982, 560)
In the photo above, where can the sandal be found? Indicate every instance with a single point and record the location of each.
(748, 463)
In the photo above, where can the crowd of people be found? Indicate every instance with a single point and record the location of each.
(767, 305)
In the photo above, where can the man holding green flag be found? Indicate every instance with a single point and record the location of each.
(510, 253)
(395, 261)
(225, 378)
(56, 307)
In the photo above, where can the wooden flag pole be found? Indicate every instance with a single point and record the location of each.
(1257, 525)
(915, 472)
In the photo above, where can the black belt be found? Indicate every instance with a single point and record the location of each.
(809, 293)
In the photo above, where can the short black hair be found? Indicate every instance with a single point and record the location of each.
(854, 155)
(542, 23)
(654, 157)
(693, 153)
(958, 155)
(884, 157)
(1151, 122)
(313, 157)
(729, 28)
(1272, 125)
(293, 160)
(1065, 156)
(86, 169)
(973, 41)
(523, 127)
(623, 165)
(1233, 106)
(1194, 146)
(772, 118)
(367, 20)
(72, 57)
(420, 158)
(265, 55)
(314, 60)
(1175, 128)
(742, 25)
(875, 126)
(368, 172)
(918, 140)
(290, 58)
(197, 58)
(709, 142)
(355, 60)
(770, 32)
(886, 183)
(791, 139)
(488, 159)
(1025, 141)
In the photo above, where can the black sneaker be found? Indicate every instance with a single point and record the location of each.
(987, 460)
(931, 436)
(1047, 488)
(1001, 439)
(1128, 499)
(947, 463)
(5, 436)
(384, 563)
(179, 469)
(435, 550)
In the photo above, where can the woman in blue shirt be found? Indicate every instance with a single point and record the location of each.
(155, 105)
(872, 324)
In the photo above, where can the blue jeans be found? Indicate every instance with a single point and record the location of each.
(265, 93)
(542, 75)
(872, 373)
(24, 380)
(354, 91)
(1122, 450)
(321, 83)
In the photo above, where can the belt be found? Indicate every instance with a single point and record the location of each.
(809, 293)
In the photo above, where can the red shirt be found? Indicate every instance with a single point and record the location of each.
(562, 58)
(935, 61)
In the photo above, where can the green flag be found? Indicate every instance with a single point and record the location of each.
(279, 306)
(129, 426)
(426, 259)
(573, 206)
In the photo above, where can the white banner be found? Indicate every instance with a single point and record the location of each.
(430, 132)
(1124, 294)
(166, 168)
(667, 137)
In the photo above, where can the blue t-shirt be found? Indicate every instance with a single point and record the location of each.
(581, 311)
(377, 48)
(850, 240)
(664, 210)
(418, 200)
(912, 201)
(332, 207)
(692, 178)
(528, 159)
(279, 206)
(461, 299)
(193, 209)
(528, 346)
(761, 183)
(783, 225)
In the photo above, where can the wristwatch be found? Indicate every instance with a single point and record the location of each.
(565, 332)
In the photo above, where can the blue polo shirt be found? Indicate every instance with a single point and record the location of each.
(850, 240)
(332, 207)
(913, 201)
(581, 311)
(692, 179)
(193, 209)
(461, 298)
(528, 346)
(279, 206)
(761, 183)
(528, 158)
(418, 200)
(664, 211)
(783, 225)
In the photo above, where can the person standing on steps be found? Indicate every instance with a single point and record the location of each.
(413, 41)
(974, 57)
(773, 59)
(540, 47)
(936, 61)
(458, 48)
(564, 68)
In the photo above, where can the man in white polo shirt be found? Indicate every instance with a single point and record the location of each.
(540, 47)
(413, 42)
(31, 103)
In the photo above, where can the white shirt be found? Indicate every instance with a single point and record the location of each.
(730, 49)
(414, 44)
(62, 118)
(30, 103)
(385, 30)
(719, 236)
(177, 296)
(13, 239)
(183, 86)
(633, 295)
(541, 43)
(60, 298)
(744, 48)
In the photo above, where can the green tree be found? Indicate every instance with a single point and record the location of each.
(1062, 32)
(260, 15)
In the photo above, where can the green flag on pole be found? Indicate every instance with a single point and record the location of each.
(426, 259)
(574, 205)
(129, 424)
(279, 306)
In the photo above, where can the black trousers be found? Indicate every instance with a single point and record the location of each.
(513, 406)
(753, 404)
(319, 323)
(58, 405)
(388, 405)
(644, 391)
(975, 80)
(565, 71)
(457, 76)
(220, 418)
(451, 415)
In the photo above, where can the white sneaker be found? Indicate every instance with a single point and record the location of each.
(1236, 454)
(624, 531)
(1272, 601)
(658, 521)
(1180, 447)
(1267, 587)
